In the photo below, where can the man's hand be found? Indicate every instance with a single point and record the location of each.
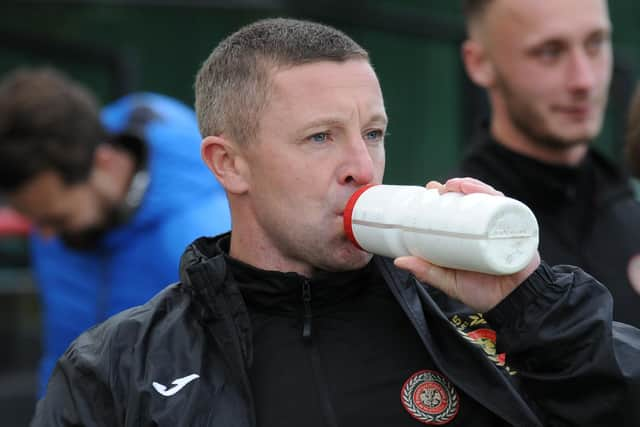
(479, 291)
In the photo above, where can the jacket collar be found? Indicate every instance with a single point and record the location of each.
(545, 184)
(276, 291)
(221, 310)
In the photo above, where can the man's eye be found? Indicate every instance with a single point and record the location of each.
(373, 135)
(595, 44)
(320, 137)
(549, 52)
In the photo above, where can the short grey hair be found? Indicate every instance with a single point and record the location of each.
(233, 84)
(474, 11)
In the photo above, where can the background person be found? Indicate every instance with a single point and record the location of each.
(114, 195)
(546, 67)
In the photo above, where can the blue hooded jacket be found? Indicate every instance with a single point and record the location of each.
(135, 260)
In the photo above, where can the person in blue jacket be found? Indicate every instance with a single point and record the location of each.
(114, 196)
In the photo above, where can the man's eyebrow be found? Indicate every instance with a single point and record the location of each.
(333, 120)
(540, 42)
(559, 38)
(325, 121)
(600, 32)
(379, 118)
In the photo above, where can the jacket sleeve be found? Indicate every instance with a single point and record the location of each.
(77, 393)
(578, 366)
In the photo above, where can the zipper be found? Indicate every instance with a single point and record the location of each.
(308, 316)
(322, 387)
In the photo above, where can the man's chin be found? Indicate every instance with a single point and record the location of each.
(574, 134)
(83, 241)
(91, 238)
(566, 139)
(352, 258)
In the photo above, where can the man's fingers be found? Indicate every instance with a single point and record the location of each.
(416, 266)
(463, 185)
(434, 184)
(470, 185)
(426, 272)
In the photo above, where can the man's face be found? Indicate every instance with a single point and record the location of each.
(320, 138)
(75, 212)
(552, 63)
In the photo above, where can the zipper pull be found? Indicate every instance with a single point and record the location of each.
(306, 299)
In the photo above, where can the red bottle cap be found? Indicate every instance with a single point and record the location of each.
(348, 213)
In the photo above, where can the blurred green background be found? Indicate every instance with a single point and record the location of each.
(119, 46)
(158, 45)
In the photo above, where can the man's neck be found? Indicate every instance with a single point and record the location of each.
(250, 245)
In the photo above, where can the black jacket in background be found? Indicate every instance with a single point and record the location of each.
(588, 214)
(574, 366)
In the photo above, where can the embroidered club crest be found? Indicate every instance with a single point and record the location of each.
(430, 398)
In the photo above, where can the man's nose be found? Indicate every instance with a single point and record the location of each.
(358, 165)
(581, 71)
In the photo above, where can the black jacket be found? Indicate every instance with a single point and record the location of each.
(588, 214)
(574, 366)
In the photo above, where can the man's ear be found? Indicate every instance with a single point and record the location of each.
(103, 157)
(479, 66)
(108, 169)
(227, 162)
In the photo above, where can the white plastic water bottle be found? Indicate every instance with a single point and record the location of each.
(476, 232)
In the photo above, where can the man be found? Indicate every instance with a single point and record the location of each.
(114, 197)
(546, 66)
(284, 322)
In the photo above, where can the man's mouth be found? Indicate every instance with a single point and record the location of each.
(575, 112)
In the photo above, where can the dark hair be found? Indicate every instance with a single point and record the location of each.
(232, 86)
(47, 122)
(632, 143)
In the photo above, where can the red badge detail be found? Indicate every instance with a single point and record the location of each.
(633, 271)
(430, 398)
(486, 338)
